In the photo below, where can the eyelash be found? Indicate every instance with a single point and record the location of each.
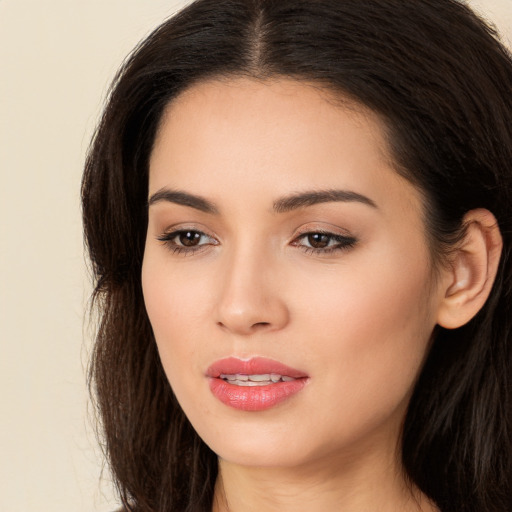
(343, 242)
(167, 239)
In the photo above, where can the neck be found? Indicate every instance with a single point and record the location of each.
(325, 486)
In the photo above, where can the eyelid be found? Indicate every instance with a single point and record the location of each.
(345, 240)
(169, 234)
(324, 229)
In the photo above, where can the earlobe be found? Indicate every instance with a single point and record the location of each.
(473, 269)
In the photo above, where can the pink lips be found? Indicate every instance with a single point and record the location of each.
(257, 397)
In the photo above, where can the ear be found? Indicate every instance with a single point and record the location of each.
(468, 281)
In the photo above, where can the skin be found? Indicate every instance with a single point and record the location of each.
(358, 321)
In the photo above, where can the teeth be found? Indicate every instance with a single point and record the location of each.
(250, 383)
(259, 378)
(264, 379)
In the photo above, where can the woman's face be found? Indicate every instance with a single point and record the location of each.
(286, 273)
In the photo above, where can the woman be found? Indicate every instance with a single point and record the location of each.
(298, 216)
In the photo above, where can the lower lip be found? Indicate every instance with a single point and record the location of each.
(254, 398)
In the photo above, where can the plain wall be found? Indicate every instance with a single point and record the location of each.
(56, 60)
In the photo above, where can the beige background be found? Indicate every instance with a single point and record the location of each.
(56, 60)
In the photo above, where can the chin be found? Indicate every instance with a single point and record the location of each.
(263, 454)
(268, 445)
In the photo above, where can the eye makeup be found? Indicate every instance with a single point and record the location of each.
(323, 242)
(186, 241)
(319, 242)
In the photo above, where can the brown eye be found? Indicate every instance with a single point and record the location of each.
(319, 240)
(189, 238)
(324, 243)
(186, 241)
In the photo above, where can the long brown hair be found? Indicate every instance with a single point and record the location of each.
(442, 84)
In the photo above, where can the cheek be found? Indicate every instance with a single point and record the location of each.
(373, 324)
(174, 306)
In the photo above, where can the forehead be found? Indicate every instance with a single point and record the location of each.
(251, 104)
(272, 136)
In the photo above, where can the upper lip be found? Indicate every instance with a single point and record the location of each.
(252, 366)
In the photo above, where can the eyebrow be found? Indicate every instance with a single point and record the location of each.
(184, 199)
(282, 205)
(302, 200)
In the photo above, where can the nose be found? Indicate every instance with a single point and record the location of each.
(251, 297)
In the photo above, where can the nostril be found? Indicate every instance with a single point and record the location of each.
(260, 324)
